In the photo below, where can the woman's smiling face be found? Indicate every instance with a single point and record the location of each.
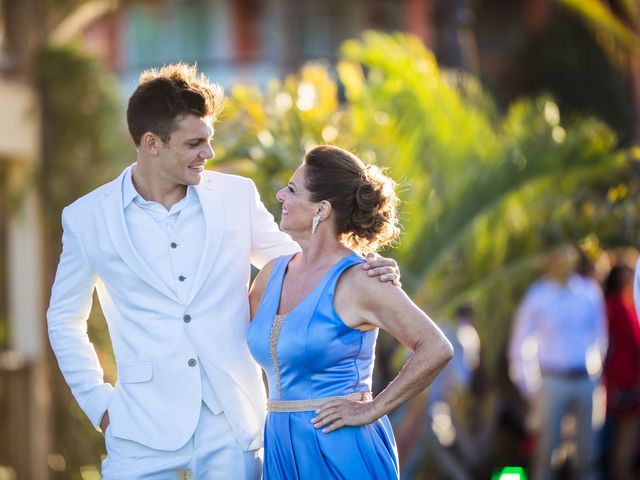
(297, 207)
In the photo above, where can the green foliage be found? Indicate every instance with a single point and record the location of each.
(84, 141)
(84, 146)
(264, 134)
(567, 59)
(616, 33)
(485, 195)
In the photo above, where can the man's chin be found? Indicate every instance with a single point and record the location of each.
(194, 179)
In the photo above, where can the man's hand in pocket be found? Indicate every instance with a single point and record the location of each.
(104, 423)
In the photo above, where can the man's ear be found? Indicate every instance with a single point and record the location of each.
(151, 143)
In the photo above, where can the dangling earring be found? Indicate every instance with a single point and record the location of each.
(315, 222)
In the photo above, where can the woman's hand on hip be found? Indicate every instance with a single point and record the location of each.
(345, 412)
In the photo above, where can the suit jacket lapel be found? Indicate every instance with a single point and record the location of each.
(212, 209)
(117, 227)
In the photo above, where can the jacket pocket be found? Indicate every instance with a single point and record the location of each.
(135, 373)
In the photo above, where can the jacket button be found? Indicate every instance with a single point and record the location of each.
(192, 362)
(182, 278)
(186, 318)
(174, 245)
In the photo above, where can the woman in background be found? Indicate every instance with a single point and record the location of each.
(622, 373)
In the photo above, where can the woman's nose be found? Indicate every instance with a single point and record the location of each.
(279, 196)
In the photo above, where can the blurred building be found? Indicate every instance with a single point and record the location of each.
(247, 41)
(517, 47)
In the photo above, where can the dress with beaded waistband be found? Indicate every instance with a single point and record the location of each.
(309, 355)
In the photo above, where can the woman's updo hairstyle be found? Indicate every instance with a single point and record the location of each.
(362, 197)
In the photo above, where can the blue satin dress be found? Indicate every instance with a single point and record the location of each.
(310, 355)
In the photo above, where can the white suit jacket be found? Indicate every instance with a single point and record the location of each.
(156, 400)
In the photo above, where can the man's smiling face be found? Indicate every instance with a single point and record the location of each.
(181, 160)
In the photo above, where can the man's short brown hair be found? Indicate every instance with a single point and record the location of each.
(165, 95)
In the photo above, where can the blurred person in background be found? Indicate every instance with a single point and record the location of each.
(586, 277)
(458, 374)
(457, 449)
(556, 352)
(622, 374)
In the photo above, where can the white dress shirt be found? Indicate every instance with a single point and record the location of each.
(175, 259)
(558, 329)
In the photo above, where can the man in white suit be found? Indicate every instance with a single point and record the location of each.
(168, 247)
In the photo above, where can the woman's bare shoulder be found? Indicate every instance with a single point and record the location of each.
(363, 288)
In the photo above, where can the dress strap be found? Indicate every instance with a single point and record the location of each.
(346, 262)
(275, 281)
(280, 266)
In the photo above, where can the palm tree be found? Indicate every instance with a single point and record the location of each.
(461, 164)
(615, 25)
(485, 195)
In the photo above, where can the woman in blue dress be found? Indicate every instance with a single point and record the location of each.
(316, 320)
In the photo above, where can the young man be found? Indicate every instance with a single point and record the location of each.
(557, 347)
(168, 247)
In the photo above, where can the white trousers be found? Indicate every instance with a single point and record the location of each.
(212, 453)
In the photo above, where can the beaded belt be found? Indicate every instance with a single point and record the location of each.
(310, 405)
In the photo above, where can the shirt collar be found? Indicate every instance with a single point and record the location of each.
(129, 192)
